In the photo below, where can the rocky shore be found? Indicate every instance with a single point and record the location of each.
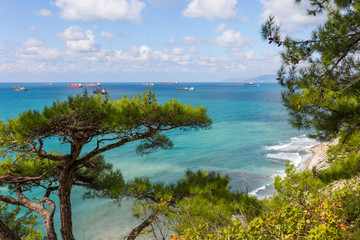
(319, 157)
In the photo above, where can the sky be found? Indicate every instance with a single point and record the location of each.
(142, 40)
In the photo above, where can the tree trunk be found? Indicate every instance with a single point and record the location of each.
(49, 227)
(138, 230)
(48, 215)
(6, 233)
(65, 184)
(49, 220)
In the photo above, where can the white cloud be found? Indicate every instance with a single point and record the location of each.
(242, 67)
(237, 54)
(188, 40)
(151, 57)
(31, 42)
(110, 10)
(17, 66)
(290, 14)
(73, 33)
(172, 41)
(38, 53)
(178, 51)
(220, 28)
(191, 40)
(230, 38)
(87, 44)
(32, 29)
(27, 66)
(79, 39)
(193, 50)
(185, 60)
(2, 50)
(142, 53)
(42, 67)
(211, 9)
(250, 55)
(211, 61)
(106, 34)
(43, 12)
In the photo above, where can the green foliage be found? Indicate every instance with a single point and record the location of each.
(104, 115)
(296, 185)
(349, 197)
(199, 203)
(100, 179)
(302, 208)
(321, 74)
(27, 165)
(151, 144)
(24, 225)
(210, 203)
(341, 168)
(344, 159)
(321, 77)
(313, 219)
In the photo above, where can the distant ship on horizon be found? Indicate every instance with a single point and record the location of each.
(148, 84)
(171, 83)
(245, 84)
(18, 89)
(75, 85)
(250, 84)
(92, 84)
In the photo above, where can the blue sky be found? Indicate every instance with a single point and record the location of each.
(142, 40)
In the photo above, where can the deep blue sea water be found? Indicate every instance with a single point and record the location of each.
(250, 133)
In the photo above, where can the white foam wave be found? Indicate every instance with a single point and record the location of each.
(278, 147)
(282, 174)
(296, 149)
(254, 192)
(293, 157)
(294, 138)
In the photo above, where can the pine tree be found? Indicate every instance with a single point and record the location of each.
(14, 227)
(321, 74)
(100, 124)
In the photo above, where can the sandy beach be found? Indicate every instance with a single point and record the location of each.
(319, 157)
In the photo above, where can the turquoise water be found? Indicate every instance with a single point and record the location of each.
(250, 133)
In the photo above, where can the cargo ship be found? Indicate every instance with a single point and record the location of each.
(102, 91)
(75, 85)
(171, 83)
(93, 84)
(18, 89)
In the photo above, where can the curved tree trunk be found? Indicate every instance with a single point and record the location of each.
(49, 219)
(6, 233)
(48, 215)
(138, 230)
(49, 227)
(65, 185)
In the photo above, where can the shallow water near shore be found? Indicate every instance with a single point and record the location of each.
(250, 133)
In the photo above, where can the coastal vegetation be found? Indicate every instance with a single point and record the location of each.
(321, 77)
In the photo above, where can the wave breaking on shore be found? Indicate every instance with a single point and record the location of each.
(298, 150)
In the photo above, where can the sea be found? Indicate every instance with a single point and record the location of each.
(250, 138)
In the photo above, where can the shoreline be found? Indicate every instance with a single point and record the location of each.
(319, 156)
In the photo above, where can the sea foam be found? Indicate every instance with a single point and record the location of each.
(295, 149)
